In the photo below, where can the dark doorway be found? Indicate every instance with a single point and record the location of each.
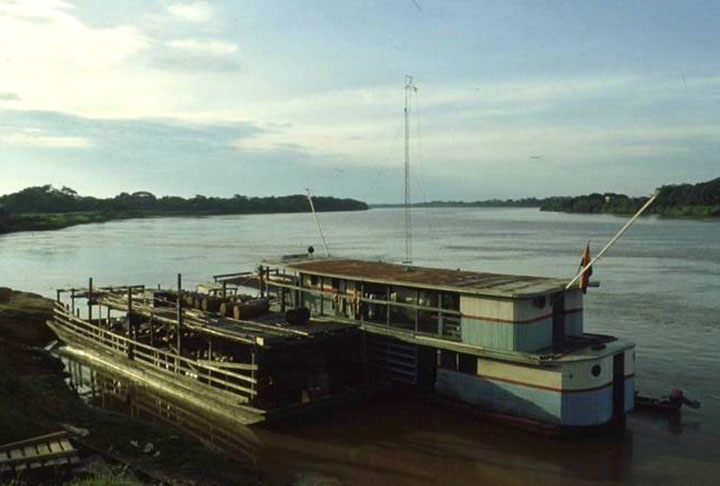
(618, 386)
(558, 316)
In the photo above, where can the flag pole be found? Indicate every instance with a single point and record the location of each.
(613, 240)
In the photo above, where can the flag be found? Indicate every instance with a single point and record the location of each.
(585, 277)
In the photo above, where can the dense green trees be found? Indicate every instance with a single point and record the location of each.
(47, 199)
(697, 200)
(529, 202)
(46, 207)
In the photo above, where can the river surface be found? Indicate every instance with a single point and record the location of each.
(660, 287)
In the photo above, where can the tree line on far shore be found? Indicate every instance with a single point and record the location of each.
(694, 200)
(48, 208)
(48, 199)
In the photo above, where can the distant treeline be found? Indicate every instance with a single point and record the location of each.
(530, 202)
(694, 200)
(46, 207)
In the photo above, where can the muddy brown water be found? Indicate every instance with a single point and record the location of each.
(660, 287)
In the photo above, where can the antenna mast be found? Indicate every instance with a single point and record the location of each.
(409, 89)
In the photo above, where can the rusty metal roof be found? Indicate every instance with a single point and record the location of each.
(479, 283)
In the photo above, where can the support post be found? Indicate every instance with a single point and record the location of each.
(253, 374)
(152, 331)
(89, 299)
(267, 281)
(417, 311)
(261, 274)
(129, 313)
(322, 296)
(179, 314)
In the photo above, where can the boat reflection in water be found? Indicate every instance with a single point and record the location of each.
(105, 391)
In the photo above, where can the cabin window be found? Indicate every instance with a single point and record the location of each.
(448, 360)
(375, 312)
(451, 301)
(428, 320)
(595, 370)
(313, 280)
(467, 363)
(401, 316)
(450, 323)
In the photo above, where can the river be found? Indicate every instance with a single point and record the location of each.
(660, 287)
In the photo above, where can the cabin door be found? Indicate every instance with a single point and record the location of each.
(558, 316)
(618, 386)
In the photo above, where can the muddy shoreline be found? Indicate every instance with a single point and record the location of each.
(35, 399)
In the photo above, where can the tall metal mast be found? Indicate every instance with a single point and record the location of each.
(409, 89)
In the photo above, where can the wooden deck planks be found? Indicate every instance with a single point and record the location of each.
(37, 453)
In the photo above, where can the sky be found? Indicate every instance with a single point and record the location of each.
(514, 98)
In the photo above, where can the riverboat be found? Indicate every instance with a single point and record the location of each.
(323, 330)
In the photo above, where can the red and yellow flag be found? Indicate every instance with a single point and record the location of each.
(585, 277)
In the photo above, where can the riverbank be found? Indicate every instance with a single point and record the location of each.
(35, 400)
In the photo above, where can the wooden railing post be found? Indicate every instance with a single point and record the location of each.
(89, 298)
(179, 314)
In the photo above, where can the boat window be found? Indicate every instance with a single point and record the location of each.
(596, 370)
(467, 363)
(428, 320)
(313, 280)
(448, 360)
(451, 301)
(375, 312)
(400, 316)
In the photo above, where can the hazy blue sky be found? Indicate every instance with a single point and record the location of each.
(515, 99)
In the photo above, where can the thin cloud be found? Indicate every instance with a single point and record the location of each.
(194, 12)
(37, 139)
(204, 47)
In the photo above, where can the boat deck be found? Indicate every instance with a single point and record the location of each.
(270, 329)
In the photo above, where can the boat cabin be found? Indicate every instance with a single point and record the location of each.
(487, 310)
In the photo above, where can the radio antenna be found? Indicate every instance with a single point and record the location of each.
(409, 89)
